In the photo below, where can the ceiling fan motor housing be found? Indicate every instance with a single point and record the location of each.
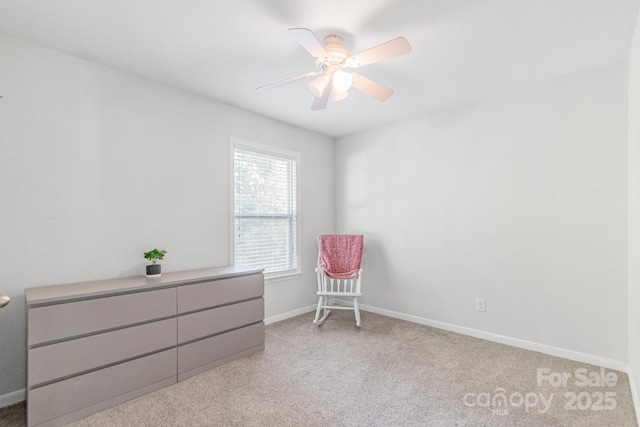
(337, 53)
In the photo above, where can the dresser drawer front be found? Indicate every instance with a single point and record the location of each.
(219, 292)
(59, 321)
(66, 358)
(64, 397)
(203, 323)
(210, 350)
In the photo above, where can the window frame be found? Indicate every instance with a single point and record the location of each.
(267, 150)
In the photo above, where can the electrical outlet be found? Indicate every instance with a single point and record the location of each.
(480, 304)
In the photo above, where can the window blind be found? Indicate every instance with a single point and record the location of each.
(265, 210)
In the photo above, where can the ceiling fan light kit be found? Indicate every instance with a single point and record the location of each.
(339, 96)
(342, 81)
(333, 58)
(318, 85)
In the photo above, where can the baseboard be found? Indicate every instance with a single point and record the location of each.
(13, 398)
(289, 314)
(514, 342)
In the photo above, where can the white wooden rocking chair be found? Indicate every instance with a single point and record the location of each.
(338, 274)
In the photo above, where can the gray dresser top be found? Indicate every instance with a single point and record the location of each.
(81, 290)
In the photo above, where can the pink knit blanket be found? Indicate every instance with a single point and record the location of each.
(340, 255)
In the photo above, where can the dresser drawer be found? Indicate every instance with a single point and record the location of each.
(219, 292)
(66, 358)
(211, 350)
(66, 320)
(197, 325)
(65, 397)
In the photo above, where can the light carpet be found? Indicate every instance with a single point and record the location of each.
(388, 373)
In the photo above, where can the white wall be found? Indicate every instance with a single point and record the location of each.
(520, 199)
(97, 166)
(634, 210)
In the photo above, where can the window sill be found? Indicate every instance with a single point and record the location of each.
(282, 277)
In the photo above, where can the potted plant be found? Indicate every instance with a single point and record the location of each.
(154, 256)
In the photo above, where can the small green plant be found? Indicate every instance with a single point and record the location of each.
(154, 255)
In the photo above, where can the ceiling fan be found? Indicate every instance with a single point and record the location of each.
(333, 58)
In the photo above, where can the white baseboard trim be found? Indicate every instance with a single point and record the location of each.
(13, 398)
(289, 314)
(514, 342)
(20, 395)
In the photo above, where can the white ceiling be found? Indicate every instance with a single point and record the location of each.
(224, 49)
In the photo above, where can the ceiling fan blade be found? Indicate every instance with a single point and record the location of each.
(286, 81)
(371, 88)
(310, 42)
(390, 49)
(320, 102)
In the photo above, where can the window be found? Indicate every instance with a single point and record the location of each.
(265, 208)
